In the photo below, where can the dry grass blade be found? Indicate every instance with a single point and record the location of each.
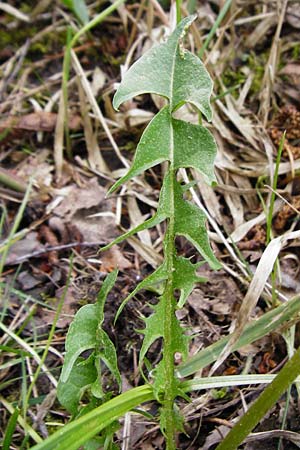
(94, 154)
(263, 435)
(147, 253)
(94, 105)
(59, 138)
(14, 12)
(241, 231)
(160, 12)
(268, 21)
(243, 125)
(271, 67)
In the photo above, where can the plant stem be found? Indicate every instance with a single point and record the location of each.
(170, 389)
(168, 353)
(178, 11)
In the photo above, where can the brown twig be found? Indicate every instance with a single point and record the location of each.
(54, 248)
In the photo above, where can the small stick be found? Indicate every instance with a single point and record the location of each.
(46, 249)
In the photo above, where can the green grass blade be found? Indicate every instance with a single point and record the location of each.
(31, 432)
(76, 433)
(212, 32)
(178, 11)
(96, 20)
(255, 330)
(10, 428)
(274, 187)
(261, 406)
(23, 344)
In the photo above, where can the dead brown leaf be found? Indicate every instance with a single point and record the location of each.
(219, 296)
(291, 69)
(37, 121)
(293, 15)
(113, 258)
(89, 211)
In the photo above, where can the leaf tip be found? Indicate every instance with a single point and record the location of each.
(111, 190)
(116, 101)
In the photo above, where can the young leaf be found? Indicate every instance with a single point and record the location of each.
(81, 337)
(185, 279)
(190, 223)
(166, 138)
(158, 276)
(169, 71)
(86, 333)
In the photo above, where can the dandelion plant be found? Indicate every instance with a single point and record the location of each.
(180, 77)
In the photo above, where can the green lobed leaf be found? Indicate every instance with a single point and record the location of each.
(165, 138)
(184, 280)
(155, 329)
(162, 213)
(158, 276)
(170, 71)
(189, 220)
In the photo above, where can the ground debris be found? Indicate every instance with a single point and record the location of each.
(287, 119)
